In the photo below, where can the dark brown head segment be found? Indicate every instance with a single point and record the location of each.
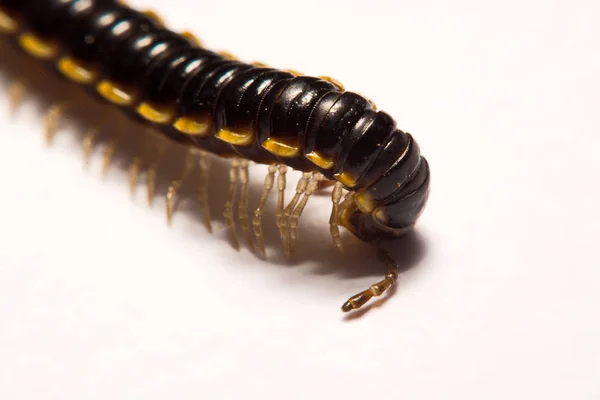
(350, 141)
(391, 205)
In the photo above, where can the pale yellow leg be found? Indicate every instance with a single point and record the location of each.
(151, 175)
(257, 219)
(281, 181)
(135, 167)
(203, 188)
(107, 156)
(190, 36)
(88, 146)
(348, 198)
(336, 196)
(151, 182)
(243, 206)
(313, 184)
(287, 212)
(391, 277)
(134, 173)
(176, 185)
(52, 122)
(228, 213)
(16, 95)
(154, 17)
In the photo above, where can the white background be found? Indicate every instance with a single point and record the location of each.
(99, 299)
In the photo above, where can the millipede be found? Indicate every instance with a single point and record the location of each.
(212, 104)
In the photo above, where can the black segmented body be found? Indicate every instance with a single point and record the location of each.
(307, 115)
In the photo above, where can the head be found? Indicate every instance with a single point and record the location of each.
(391, 206)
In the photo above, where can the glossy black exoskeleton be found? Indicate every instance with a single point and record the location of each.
(307, 123)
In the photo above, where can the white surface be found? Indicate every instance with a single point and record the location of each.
(100, 300)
